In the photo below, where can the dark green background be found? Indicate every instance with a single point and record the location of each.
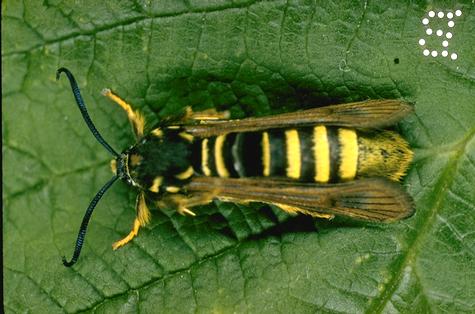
(254, 58)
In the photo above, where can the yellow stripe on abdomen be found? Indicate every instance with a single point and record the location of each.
(348, 153)
(293, 154)
(265, 154)
(321, 150)
(204, 158)
(218, 156)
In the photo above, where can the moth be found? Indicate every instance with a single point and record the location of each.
(334, 160)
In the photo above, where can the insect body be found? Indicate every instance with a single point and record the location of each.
(323, 154)
(335, 160)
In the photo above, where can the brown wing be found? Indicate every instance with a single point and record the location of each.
(364, 114)
(373, 199)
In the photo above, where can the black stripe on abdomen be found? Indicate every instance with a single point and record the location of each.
(196, 157)
(247, 154)
(333, 142)
(227, 154)
(307, 160)
(278, 160)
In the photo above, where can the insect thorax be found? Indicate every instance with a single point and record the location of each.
(159, 160)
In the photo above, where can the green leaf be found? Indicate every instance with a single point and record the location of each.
(253, 58)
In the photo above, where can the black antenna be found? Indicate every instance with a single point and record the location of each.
(85, 221)
(100, 139)
(82, 108)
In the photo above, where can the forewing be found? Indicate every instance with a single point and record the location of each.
(374, 199)
(364, 114)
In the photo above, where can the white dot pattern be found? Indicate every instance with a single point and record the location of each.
(426, 21)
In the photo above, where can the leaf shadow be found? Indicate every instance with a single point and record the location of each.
(245, 97)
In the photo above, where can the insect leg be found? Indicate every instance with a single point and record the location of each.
(295, 210)
(208, 114)
(142, 218)
(183, 203)
(129, 237)
(135, 117)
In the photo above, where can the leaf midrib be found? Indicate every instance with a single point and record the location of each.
(443, 183)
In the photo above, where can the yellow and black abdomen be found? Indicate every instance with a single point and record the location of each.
(323, 154)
